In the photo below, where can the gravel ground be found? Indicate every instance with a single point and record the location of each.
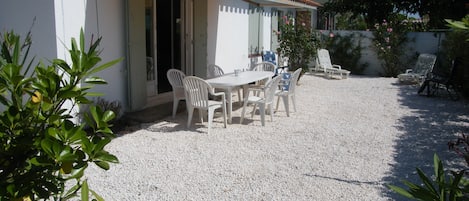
(347, 139)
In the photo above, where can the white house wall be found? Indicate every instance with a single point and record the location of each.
(19, 16)
(228, 34)
(227, 37)
(56, 22)
(110, 24)
(103, 18)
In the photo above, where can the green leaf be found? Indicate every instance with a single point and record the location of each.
(68, 94)
(98, 197)
(427, 182)
(82, 40)
(85, 191)
(72, 192)
(66, 155)
(102, 164)
(104, 66)
(77, 173)
(46, 145)
(94, 94)
(95, 80)
(457, 24)
(108, 116)
(99, 146)
(400, 191)
(108, 158)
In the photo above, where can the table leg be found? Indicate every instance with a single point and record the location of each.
(229, 102)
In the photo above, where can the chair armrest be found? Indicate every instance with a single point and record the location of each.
(222, 94)
(336, 66)
(408, 71)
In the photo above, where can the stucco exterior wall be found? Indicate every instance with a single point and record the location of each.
(56, 22)
(227, 37)
(38, 17)
(98, 18)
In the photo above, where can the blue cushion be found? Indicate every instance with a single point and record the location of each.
(269, 56)
(285, 81)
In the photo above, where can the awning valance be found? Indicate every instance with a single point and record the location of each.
(309, 4)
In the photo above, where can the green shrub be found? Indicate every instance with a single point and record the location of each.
(297, 42)
(389, 39)
(456, 45)
(441, 188)
(41, 146)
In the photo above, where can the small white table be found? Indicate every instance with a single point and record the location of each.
(228, 81)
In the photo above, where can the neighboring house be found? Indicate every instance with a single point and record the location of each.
(153, 36)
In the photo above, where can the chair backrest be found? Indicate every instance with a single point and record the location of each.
(285, 82)
(424, 65)
(294, 80)
(269, 56)
(264, 66)
(197, 90)
(214, 71)
(324, 58)
(175, 77)
(270, 87)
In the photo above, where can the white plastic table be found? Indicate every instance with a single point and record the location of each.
(228, 81)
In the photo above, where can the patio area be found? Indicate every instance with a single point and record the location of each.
(347, 140)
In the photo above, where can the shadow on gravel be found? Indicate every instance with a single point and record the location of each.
(433, 122)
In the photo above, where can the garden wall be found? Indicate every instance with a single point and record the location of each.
(419, 42)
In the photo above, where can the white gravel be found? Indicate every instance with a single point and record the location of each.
(347, 139)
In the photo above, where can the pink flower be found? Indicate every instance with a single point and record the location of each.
(389, 30)
(331, 35)
(287, 22)
(303, 24)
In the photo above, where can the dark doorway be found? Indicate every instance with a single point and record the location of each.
(168, 40)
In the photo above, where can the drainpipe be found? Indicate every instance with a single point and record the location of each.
(127, 54)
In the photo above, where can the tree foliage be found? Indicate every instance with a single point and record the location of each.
(375, 11)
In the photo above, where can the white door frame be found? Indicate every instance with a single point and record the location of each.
(187, 39)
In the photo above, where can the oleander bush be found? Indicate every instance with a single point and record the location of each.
(44, 150)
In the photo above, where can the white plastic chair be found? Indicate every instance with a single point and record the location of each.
(422, 68)
(175, 78)
(263, 102)
(214, 71)
(262, 66)
(288, 91)
(197, 92)
(325, 64)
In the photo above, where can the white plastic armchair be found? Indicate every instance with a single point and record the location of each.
(263, 102)
(325, 64)
(288, 92)
(175, 78)
(422, 68)
(214, 71)
(197, 92)
(262, 66)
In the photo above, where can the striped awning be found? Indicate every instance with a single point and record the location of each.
(309, 4)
